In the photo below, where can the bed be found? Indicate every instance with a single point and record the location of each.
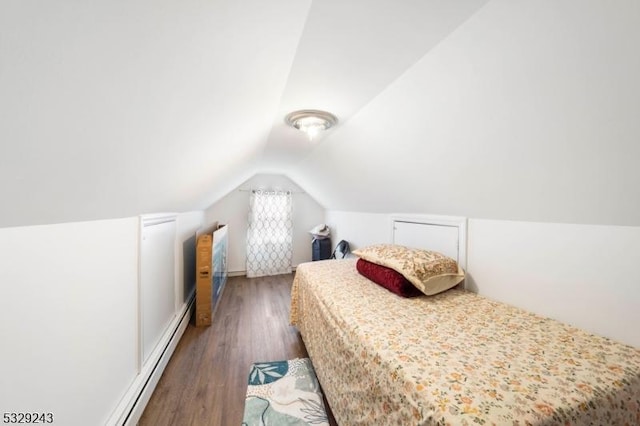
(454, 358)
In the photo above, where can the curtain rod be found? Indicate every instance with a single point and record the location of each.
(252, 190)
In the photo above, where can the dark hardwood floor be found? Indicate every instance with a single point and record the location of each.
(206, 379)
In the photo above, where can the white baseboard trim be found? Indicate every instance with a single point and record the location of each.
(132, 405)
(244, 273)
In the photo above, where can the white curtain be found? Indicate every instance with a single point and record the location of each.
(270, 233)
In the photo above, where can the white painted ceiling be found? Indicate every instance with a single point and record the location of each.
(115, 108)
(501, 109)
(528, 111)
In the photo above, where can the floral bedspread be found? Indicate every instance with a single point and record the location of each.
(455, 358)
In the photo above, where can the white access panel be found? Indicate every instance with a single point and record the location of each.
(157, 284)
(446, 236)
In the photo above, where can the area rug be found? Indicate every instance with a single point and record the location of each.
(284, 393)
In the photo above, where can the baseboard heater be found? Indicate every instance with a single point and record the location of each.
(244, 273)
(132, 405)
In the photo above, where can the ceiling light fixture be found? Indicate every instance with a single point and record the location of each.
(311, 121)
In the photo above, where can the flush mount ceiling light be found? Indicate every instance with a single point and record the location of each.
(311, 121)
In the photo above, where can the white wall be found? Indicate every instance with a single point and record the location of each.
(69, 316)
(584, 275)
(233, 210)
(358, 228)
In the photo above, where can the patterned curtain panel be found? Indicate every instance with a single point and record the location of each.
(269, 238)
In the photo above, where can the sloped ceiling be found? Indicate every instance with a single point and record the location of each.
(510, 110)
(529, 111)
(116, 108)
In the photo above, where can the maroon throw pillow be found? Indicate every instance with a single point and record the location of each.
(385, 277)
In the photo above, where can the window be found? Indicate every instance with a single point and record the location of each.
(269, 237)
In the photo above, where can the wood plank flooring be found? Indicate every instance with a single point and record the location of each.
(206, 379)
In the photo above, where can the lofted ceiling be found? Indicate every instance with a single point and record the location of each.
(117, 108)
(350, 51)
(528, 111)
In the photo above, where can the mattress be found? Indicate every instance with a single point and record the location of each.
(455, 358)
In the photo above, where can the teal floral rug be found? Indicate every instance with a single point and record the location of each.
(284, 393)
